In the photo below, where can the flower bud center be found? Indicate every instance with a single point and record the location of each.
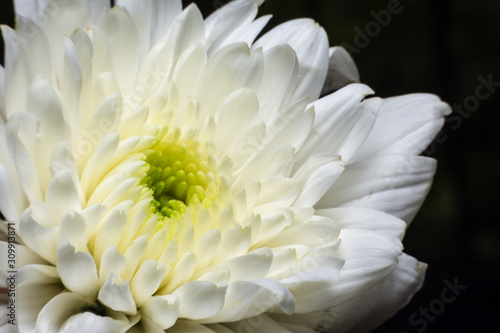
(179, 176)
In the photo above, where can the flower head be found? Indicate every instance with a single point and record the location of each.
(164, 172)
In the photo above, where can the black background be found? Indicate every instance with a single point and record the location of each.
(441, 47)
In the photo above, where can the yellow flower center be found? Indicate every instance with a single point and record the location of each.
(179, 176)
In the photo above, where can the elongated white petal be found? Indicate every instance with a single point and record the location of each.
(88, 321)
(372, 307)
(30, 9)
(117, 296)
(59, 309)
(9, 206)
(365, 218)
(229, 18)
(406, 125)
(146, 281)
(341, 70)
(231, 68)
(245, 299)
(77, 270)
(342, 123)
(395, 184)
(41, 239)
(36, 286)
(310, 43)
(200, 299)
(316, 177)
(163, 310)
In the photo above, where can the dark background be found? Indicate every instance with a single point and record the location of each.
(442, 47)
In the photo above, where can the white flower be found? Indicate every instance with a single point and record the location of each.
(165, 172)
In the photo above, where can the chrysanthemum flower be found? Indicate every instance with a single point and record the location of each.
(164, 172)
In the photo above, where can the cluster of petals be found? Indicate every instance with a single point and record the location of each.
(295, 204)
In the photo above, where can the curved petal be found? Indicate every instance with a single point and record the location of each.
(58, 310)
(405, 125)
(77, 270)
(162, 310)
(36, 286)
(200, 299)
(224, 21)
(395, 184)
(342, 123)
(117, 296)
(310, 43)
(341, 70)
(90, 322)
(372, 307)
(30, 9)
(246, 299)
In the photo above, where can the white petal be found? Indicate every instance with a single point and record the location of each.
(89, 322)
(29, 8)
(186, 30)
(265, 164)
(381, 301)
(238, 111)
(95, 167)
(364, 218)
(281, 68)
(122, 45)
(369, 258)
(36, 286)
(110, 230)
(200, 299)
(276, 193)
(247, 33)
(245, 299)
(291, 126)
(310, 289)
(310, 43)
(10, 204)
(77, 270)
(39, 238)
(341, 70)
(65, 18)
(311, 234)
(112, 262)
(164, 14)
(234, 242)
(162, 310)
(117, 296)
(342, 123)
(181, 273)
(58, 310)
(74, 228)
(18, 126)
(395, 184)
(405, 125)
(221, 23)
(141, 13)
(231, 68)
(44, 103)
(316, 176)
(98, 9)
(146, 281)
(373, 306)
(62, 196)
